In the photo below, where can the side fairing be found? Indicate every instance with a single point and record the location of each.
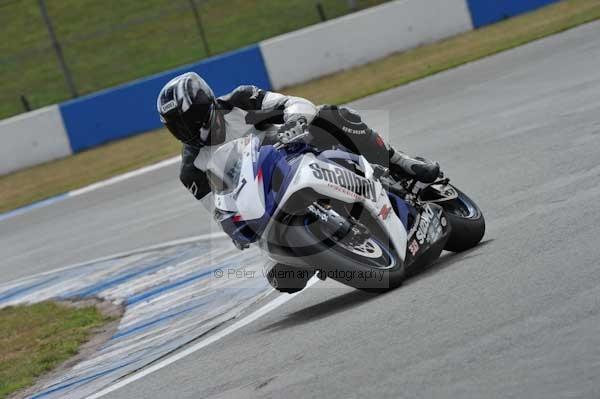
(336, 182)
(268, 180)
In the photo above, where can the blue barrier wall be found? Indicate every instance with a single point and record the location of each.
(485, 12)
(131, 108)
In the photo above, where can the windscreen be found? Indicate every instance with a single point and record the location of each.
(224, 167)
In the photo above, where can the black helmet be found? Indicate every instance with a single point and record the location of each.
(187, 108)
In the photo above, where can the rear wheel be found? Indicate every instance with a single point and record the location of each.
(466, 221)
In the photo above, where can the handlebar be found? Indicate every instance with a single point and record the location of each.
(295, 140)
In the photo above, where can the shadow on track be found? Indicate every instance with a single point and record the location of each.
(351, 299)
(324, 309)
(446, 260)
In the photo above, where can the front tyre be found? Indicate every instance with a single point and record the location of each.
(466, 221)
(369, 265)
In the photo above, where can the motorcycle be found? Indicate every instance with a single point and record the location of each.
(331, 213)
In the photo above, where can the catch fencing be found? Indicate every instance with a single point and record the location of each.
(55, 50)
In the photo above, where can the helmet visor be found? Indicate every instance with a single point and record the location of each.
(193, 126)
(182, 132)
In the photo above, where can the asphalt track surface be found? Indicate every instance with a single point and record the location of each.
(517, 316)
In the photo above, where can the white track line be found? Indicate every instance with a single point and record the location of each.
(92, 187)
(274, 304)
(124, 176)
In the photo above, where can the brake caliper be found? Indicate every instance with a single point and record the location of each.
(337, 226)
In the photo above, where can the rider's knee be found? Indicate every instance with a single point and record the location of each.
(342, 125)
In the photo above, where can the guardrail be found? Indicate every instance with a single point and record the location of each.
(131, 108)
(32, 138)
(355, 39)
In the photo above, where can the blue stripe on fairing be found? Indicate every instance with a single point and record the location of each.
(23, 290)
(78, 381)
(94, 289)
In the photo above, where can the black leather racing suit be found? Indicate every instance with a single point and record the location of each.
(249, 109)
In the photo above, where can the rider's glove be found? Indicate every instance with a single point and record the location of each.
(293, 128)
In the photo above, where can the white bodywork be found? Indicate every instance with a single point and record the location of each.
(391, 223)
(247, 198)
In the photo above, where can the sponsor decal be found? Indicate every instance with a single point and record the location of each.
(168, 106)
(436, 227)
(239, 189)
(426, 217)
(414, 247)
(345, 179)
(384, 212)
(430, 226)
(450, 192)
(353, 131)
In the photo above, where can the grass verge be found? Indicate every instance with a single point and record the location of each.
(43, 181)
(52, 178)
(34, 339)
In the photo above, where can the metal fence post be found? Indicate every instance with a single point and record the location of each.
(57, 49)
(25, 103)
(321, 12)
(200, 26)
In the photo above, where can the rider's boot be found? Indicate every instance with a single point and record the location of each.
(417, 168)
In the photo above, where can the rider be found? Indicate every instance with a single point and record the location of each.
(190, 110)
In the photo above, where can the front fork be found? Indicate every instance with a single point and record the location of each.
(336, 226)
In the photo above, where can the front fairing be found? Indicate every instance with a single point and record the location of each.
(244, 210)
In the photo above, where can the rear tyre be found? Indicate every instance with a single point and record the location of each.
(466, 221)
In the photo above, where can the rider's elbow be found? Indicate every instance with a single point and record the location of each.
(195, 181)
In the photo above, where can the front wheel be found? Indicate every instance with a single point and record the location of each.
(369, 265)
(466, 221)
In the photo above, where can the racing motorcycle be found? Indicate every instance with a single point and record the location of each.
(331, 213)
